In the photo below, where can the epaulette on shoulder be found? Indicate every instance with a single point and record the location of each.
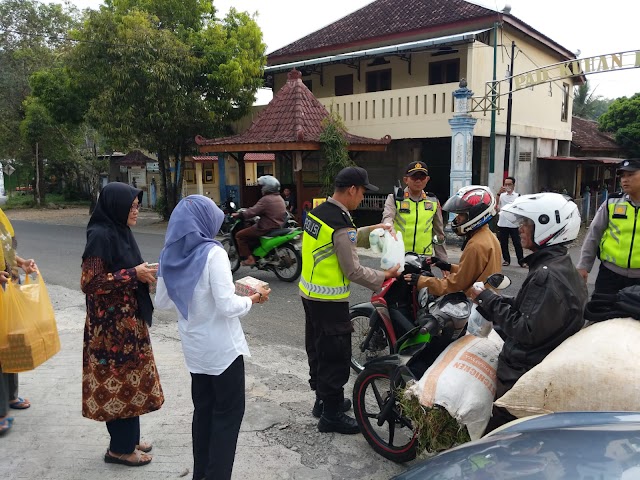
(616, 195)
(431, 194)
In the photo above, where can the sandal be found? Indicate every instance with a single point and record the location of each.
(5, 425)
(505, 264)
(120, 460)
(144, 447)
(20, 404)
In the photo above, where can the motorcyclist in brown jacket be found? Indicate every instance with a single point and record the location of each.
(271, 209)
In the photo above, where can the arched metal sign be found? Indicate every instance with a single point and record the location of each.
(582, 66)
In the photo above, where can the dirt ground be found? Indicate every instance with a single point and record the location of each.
(78, 216)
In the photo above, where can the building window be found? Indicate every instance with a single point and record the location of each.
(344, 85)
(189, 173)
(309, 84)
(564, 115)
(379, 80)
(447, 71)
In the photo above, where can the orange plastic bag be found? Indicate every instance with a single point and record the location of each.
(28, 331)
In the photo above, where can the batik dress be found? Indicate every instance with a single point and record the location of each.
(119, 374)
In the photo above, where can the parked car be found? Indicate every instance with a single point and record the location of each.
(560, 446)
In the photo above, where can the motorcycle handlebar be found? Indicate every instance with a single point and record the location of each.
(431, 326)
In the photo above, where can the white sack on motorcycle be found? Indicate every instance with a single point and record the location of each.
(593, 370)
(463, 381)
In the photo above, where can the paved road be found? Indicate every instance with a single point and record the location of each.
(278, 438)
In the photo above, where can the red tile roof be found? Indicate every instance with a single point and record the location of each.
(293, 115)
(385, 20)
(135, 158)
(587, 137)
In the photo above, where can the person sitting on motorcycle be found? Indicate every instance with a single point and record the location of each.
(475, 206)
(549, 307)
(271, 209)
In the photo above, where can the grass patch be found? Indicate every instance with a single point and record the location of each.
(18, 200)
(435, 428)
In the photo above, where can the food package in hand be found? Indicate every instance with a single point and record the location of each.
(248, 286)
(392, 249)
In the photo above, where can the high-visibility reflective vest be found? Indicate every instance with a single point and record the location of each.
(415, 221)
(321, 275)
(622, 233)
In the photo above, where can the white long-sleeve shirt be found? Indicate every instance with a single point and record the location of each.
(212, 336)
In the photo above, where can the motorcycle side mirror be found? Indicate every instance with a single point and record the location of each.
(499, 281)
(423, 297)
(232, 205)
(439, 240)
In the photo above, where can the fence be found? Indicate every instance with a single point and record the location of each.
(589, 204)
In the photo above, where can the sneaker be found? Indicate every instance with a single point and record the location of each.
(506, 264)
(340, 423)
(317, 407)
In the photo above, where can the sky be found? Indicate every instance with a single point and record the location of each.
(592, 27)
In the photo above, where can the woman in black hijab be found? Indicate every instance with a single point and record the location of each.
(120, 381)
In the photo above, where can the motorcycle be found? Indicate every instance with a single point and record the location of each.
(278, 251)
(228, 208)
(390, 314)
(375, 393)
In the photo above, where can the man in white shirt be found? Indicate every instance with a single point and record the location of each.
(506, 228)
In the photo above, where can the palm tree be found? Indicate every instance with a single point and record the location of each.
(586, 104)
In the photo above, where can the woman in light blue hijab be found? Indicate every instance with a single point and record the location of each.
(195, 277)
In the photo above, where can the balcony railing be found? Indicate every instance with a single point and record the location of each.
(401, 106)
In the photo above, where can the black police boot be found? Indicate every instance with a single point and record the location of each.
(317, 407)
(333, 420)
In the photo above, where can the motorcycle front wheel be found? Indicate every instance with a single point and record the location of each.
(288, 263)
(232, 253)
(379, 345)
(378, 413)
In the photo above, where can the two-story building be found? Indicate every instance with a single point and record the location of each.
(390, 69)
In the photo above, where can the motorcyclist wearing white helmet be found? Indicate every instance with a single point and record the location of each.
(271, 209)
(475, 206)
(549, 307)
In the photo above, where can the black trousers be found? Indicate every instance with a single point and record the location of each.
(504, 234)
(328, 344)
(608, 281)
(500, 416)
(219, 402)
(125, 434)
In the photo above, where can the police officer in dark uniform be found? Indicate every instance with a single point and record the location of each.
(417, 214)
(329, 264)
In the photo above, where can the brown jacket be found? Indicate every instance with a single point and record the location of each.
(480, 258)
(271, 209)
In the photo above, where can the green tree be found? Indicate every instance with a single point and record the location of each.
(586, 104)
(334, 149)
(32, 37)
(156, 75)
(623, 120)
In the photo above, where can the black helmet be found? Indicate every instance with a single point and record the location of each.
(412, 263)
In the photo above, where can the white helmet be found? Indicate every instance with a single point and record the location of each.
(269, 184)
(556, 219)
(477, 202)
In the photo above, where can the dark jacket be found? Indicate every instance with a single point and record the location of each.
(271, 209)
(547, 310)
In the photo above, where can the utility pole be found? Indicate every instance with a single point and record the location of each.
(507, 145)
(492, 138)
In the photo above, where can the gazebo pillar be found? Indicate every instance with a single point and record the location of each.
(241, 177)
(297, 171)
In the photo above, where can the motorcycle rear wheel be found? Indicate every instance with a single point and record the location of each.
(379, 345)
(232, 253)
(390, 434)
(289, 263)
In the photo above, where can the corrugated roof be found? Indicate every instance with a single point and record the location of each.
(605, 160)
(135, 158)
(248, 157)
(293, 115)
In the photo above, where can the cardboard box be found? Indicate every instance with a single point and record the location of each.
(247, 286)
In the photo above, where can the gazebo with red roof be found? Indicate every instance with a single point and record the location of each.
(289, 125)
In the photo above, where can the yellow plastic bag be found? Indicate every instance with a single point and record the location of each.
(28, 332)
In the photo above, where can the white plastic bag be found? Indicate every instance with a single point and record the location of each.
(477, 325)
(392, 250)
